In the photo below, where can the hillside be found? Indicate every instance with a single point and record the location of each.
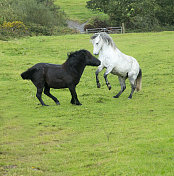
(76, 10)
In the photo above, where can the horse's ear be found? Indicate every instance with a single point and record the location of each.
(94, 36)
(68, 54)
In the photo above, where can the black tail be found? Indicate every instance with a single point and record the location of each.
(28, 74)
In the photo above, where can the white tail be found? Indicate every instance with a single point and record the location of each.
(139, 81)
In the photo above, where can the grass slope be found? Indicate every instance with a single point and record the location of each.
(104, 136)
(76, 10)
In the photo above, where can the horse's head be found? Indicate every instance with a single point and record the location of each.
(100, 39)
(91, 60)
(97, 43)
(82, 58)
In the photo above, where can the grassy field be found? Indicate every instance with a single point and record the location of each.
(76, 10)
(104, 136)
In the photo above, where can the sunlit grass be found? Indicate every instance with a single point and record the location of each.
(104, 136)
(76, 10)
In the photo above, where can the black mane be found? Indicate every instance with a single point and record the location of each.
(76, 62)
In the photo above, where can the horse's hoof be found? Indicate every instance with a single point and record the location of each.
(115, 96)
(45, 105)
(109, 87)
(98, 85)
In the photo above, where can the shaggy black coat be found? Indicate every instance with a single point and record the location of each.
(45, 76)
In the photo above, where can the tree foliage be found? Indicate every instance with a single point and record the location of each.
(141, 14)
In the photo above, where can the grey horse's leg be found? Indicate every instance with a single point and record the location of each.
(132, 91)
(100, 68)
(108, 70)
(123, 86)
(133, 84)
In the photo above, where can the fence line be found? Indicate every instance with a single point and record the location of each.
(109, 30)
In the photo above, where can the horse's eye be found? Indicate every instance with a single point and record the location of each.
(96, 43)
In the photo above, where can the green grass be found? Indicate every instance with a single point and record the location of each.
(104, 136)
(76, 10)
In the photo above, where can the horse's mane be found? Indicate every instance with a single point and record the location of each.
(106, 38)
(76, 59)
(76, 53)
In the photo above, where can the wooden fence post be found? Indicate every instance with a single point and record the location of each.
(123, 28)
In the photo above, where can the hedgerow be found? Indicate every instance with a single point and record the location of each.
(23, 17)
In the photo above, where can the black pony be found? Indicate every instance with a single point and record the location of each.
(45, 76)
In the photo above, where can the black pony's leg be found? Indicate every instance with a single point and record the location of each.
(123, 86)
(100, 68)
(47, 92)
(39, 96)
(74, 99)
(109, 69)
(97, 80)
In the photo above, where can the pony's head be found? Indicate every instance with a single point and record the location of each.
(99, 39)
(82, 58)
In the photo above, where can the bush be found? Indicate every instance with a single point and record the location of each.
(13, 29)
(42, 17)
(97, 22)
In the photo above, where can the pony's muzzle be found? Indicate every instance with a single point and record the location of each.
(95, 54)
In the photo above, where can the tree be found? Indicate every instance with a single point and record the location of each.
(136, 14)
(164, 11)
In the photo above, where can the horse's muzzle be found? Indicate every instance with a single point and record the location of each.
(98, 62)
(94, 62)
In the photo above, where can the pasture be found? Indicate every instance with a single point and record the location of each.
(104, 136)
(76, 10)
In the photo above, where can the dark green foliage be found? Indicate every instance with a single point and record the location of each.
(97, 22)
(41, 16)
(144, 15)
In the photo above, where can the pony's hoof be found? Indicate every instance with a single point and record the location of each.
(57, 103)
(45, 105)
(98, 85)
(109, 86)
(78, 104)
(115, 96)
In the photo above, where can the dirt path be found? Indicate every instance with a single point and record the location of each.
(77, 26)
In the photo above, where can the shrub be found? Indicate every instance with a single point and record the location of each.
(13, 29)
(97, 22)
(42, 17)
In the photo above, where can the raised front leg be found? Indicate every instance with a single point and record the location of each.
(108, 70)
(100, 68)
(74, 99)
